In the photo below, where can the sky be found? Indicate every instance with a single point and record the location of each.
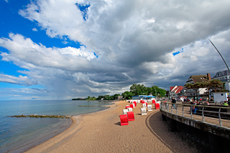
(77, 48)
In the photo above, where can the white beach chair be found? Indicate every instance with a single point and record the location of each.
(133, 105)
(130, 109)
(150, 108)
(125, 111)
(143, 111)
(144, 105)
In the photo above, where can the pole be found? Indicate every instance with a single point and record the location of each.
(220, 55)
(155, 92)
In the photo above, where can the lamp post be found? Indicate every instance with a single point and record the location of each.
(220, 55)
(155, 92)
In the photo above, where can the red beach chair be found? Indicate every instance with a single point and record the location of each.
(153, 101)
(157, 106)
(130, 116)
(131, 105)
(124, 120)
(135, 103)
(127, 106)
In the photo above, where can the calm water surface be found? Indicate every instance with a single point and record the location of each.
(20, 134)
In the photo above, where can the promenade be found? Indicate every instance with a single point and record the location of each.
(213, 120)
(101, 132)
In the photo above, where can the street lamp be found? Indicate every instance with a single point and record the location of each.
(155, 92)
(220, 55)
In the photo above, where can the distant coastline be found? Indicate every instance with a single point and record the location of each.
(79, 99)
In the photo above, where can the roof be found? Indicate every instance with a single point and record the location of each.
(222, 73)
(176, 89)
(199, 78)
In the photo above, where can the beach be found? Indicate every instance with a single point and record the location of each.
(101, 132)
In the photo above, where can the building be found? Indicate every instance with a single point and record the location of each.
(202, 92)
(223, 76)
(220, 96)
(198, 78)
(175, 91)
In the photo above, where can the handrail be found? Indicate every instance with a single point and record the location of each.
(165, 106)
(201, 105)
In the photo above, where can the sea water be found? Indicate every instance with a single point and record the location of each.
(21, 134)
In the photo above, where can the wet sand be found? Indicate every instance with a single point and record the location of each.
(101, 132)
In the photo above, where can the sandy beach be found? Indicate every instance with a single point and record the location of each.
(101, 132)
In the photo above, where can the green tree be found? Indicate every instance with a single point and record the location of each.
(127, 95)
(216, 84)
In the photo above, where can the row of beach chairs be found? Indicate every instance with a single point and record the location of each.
(128, 114)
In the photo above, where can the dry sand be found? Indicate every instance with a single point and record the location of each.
(101, 132)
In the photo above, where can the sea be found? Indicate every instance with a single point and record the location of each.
(21, 134)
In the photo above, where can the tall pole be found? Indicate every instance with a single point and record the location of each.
(155, 92)
(220, 55)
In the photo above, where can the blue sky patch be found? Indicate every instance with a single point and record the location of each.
(95, 55)
(84, 10)
(178, 52)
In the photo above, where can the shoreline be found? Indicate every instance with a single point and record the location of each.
(101, 132)
(75, 121)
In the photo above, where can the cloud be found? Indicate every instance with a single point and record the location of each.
(35, 29)
(123, 42)
(21, 80)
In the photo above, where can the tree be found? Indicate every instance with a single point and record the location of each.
(138, 89)
(127, 95)
(216, 84)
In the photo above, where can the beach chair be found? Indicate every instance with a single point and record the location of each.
(130, 116)
(157, 106)
(125, 111)
(131, 105)
(144, 105)
(135, 103)
(124, 120)
(127, 106)
(153, 101)
(150, 108)
(130, 109)
(143, 111)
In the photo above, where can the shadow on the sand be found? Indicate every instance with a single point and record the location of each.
(161, 129)
(118, 123)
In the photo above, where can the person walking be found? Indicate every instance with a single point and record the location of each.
(174, 102)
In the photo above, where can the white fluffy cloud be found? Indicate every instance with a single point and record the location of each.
(134, 40)
(21, 80)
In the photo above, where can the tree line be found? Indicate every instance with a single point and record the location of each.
(135, 89)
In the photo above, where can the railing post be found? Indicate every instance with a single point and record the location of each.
(176, 109)
(191, 111)
(220, 117)
(203, 114)
(183, 110)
